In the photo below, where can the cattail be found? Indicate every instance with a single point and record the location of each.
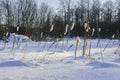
(66, 29)
(41, 35)
(52, 27)
(72, 27)
(17, 28)
(7, 34)
(77, 43)
(99, 29)
(113, 36)
(78, 40)
(57, 39)
(85, 25)
(93, 30)
(88, 28)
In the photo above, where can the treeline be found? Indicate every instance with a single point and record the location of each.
(35, 21)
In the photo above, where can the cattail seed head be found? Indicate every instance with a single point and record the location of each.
(52, 27)
(87, 30)
(66, 29)
(57, 39)
(17, 28)
(93, 30)
(72, 27)
(7, 34)
(99, 29)
(78, 40)
(113, 36)
(85, 25)
(41, 35)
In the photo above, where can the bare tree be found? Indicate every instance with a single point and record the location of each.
(7, 11)
(27, 14)
(44, 19)
(81, 11)
(118, 9)
(108, 10)
(42, 14)
(66, 6)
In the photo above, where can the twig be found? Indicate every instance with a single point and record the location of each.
(76, 49)
(107, 45)
(101, 54)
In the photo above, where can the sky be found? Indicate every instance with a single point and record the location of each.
(52, 3)
(55, 3)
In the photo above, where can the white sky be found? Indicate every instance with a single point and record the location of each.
(52, 3)
(55, 3)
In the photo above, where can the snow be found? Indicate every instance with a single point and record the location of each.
(19, 37)
(34, 61)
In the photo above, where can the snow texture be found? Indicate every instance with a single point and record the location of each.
(33, 61)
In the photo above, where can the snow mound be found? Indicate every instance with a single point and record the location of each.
(22, 38)
(117, 60)
(12, 64)
(69, 62)
(97, 64)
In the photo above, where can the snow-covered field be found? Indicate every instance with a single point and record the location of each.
(33, 61)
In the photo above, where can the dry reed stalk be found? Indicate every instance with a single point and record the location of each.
(14, 35)
(77, 43)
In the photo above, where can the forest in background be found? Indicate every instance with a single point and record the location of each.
(36, 21)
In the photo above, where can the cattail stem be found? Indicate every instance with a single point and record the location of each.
(56, 46)
(90, 48)
(20, 41)
(70, 47)
(98, 42)
(66, 44)
(48, 50)
(44, 46)
(101, 54)
(4, 45)
(107, 45)
(76, 50)
(115, 52)
(14, 41)
(84, 47)
(51, 45)
(77, 42)
(63, 45)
